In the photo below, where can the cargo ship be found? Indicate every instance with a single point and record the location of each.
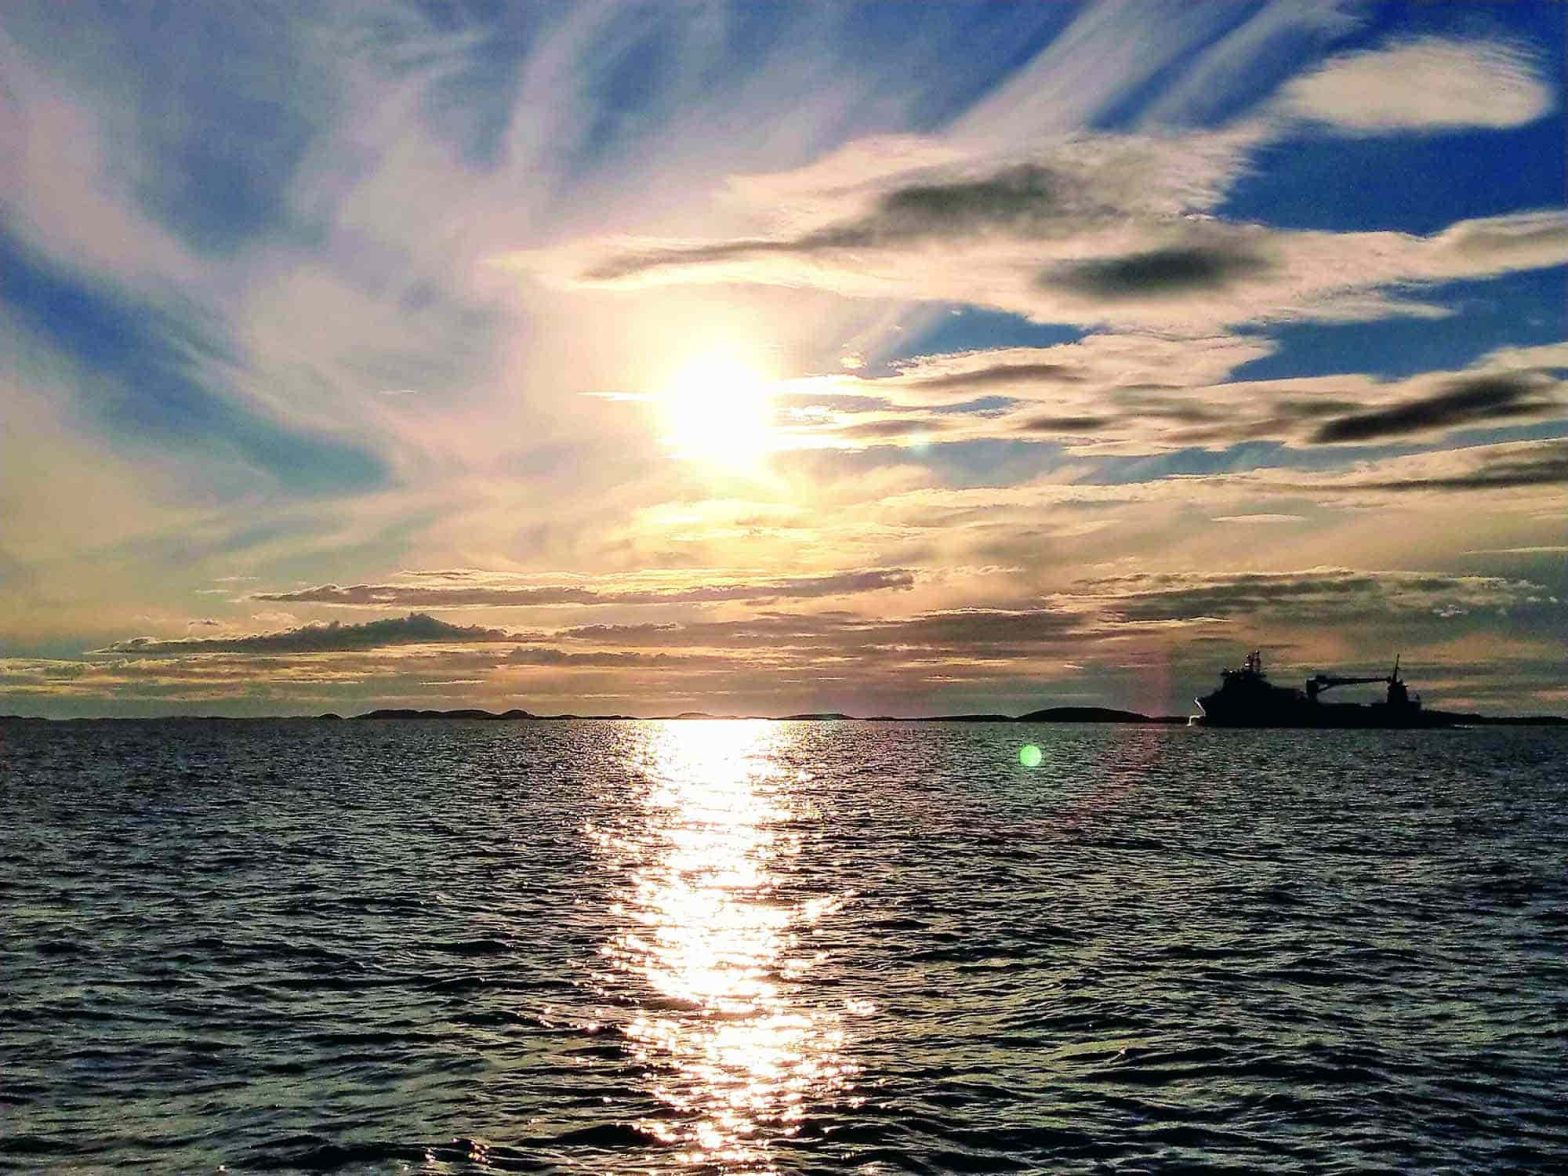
(1246, 698)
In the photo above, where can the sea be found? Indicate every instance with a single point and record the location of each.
(776, 947)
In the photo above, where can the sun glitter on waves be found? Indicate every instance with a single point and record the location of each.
(718, 410)
(713, 960)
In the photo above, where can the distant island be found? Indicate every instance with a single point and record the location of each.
(1053, 714)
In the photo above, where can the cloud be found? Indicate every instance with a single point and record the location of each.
(1521, 479)
(1492, 467)
(209, 141)
(975, 379)
(551, 658)
(414, 629)
(906, 430)
(1168, 272)
(961, 633)
(1426, 84)
(1488, 399)
(1539, 549)
(1313, 594)
(1077, 184)
(1099, 229)
(1255, 520)
(1133, 395)
(1081, 617)
(1069, 379)
(464, 588)
(1128, 277)
(1428, 506)
(158, 375)
(1522, 476)
(1252, 58)
(1023, 200)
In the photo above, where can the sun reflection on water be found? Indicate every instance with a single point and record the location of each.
(710, 940)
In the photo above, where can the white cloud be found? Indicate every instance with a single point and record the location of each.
(1096, 229)
(1430, 83)
(1259, 519)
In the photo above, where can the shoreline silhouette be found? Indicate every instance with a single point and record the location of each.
(1057, 714)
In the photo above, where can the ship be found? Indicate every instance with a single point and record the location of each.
(1246, 698)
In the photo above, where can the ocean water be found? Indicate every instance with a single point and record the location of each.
(776, 947)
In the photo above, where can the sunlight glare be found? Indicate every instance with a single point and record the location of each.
(712, 935)
(718, 410)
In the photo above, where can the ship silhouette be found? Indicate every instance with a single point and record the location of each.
(1246, 698)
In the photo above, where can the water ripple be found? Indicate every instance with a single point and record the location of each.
(793, 948)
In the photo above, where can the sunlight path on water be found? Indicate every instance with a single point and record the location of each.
(710, 935)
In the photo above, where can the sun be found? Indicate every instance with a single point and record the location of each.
(718, 410)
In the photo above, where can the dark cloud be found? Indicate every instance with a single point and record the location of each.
(1538, 465)
(628, 265)
(1154, 418)
(488, 593)
(958, 632)
(1016, 197)
(1185, 269)
(1337, 594)
(414, 629)
(1480, 399)
(1025, 200)
(1070, 424)
(1005, 373)
(969, 628)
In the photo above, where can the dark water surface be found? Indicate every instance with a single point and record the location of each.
(628, 947)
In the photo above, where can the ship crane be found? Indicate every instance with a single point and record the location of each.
(1321, 682)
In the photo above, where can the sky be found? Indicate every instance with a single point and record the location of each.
(885, 358)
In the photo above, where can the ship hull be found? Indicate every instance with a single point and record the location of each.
(1318, 716)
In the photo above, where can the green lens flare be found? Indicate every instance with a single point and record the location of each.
(1030, 756)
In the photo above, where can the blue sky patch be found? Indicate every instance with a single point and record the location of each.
(1407, 183)
(1516, 310)
(145, 376)
(974, 328)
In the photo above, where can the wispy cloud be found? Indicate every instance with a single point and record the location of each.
(1339, 595)
(461, 588)
(1139, 395)
(1098, 227)
(1074, 241)
(157, 375)
(1491, 467)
